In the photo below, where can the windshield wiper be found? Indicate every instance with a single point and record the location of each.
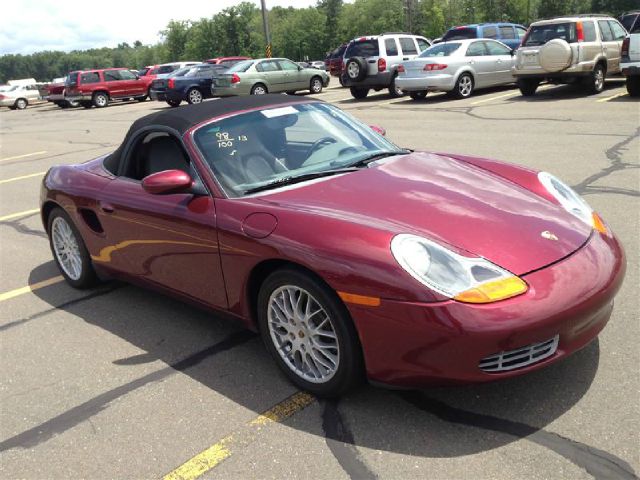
(298, 178)
(377, 156)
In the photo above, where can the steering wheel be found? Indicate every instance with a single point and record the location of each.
(318, 144)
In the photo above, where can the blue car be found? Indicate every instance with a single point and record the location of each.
(508, 33)
(191, 84)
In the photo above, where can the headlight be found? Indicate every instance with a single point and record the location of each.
(466, 279)
(571, 201)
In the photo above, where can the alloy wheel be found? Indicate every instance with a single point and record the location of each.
(303, 334)
(353, 69)
(316, 86)
(65, 246)
(465, 86)
(195, 96)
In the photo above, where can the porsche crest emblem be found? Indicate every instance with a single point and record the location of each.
(549, 235)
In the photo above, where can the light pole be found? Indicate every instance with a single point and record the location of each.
(265, 25)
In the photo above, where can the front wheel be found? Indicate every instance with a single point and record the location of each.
(309, 333)
(422, 94)
(69, 251)
(194, 96)
(316, 85)
(633, 86)
(21, 104)
(464, 86)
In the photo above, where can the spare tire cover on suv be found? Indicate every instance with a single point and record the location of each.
(555, 55)
(356, 68)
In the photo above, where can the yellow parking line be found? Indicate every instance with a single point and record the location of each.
(221, 450)
(606, 99)
(19, 214)
(39, 174)
(22, 156)
(510, 94)
(30, 288)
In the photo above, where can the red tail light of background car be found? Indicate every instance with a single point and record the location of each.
(382, 64)
(429, 67)
(171, 83)
(624, 51)
(235, 78)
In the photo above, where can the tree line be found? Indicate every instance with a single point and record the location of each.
(297, 33)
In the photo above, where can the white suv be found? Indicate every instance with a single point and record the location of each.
(568, 49)
(630, 62)
(372, 62)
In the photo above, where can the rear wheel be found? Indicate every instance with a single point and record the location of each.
(309, 333)
(359, 93)
(194, 96)
(142, 98)
(394, 90)
(100, 100)
(464, 86)
(173, 103)
(259, 89)
(528, 86)
(21, 103)
(316, 85)
(69, 251)
(595, 81)
(422, 94)
(633, 86)
(86, 104)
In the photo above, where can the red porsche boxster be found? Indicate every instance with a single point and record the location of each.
(352, 257)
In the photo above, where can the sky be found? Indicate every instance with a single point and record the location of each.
(36, 25)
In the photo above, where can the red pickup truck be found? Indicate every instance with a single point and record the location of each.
(101, 86)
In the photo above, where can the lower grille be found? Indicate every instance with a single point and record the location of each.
(521, 357)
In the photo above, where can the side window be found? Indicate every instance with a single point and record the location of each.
(476, 49)
(617, 30)
(408, 46)
(489, 32)
(267, 66)
(589, 30)
(288, 65)
(605, 31)
(521, 32)
(507, 32)
(166, 69)
(127, 75)
(156, 152)
(90, 77)
(111, 75)
(205, 72)
(422, 44)
(391, 46)
(494, 48)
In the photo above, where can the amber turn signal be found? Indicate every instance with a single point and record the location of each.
(493, 291)
(598, 223)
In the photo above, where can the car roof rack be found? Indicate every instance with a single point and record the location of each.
(396, 33)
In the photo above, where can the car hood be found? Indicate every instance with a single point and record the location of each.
(449, 201)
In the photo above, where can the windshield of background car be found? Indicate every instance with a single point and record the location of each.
(257, 148)
(541, 34)
(462, 33)
(72, 79)
(627, 22)
(440, 50)
(194, 71)
(179, 73)
(240, 66)
(363, 48)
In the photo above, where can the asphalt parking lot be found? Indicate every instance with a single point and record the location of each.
(120, 382)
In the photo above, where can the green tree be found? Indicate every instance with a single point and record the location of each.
(175, 38)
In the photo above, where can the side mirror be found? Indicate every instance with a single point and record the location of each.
(168, 181)
(513, 52)
(378, 130)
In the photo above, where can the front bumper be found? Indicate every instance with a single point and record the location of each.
(416, 344)
(439, 82)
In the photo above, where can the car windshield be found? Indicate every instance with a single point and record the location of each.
(541, 34)
(242, 66)
(260, 149)
(460, 33)
(72, 79)
(179, 73)
(627, 21)
(440, 50)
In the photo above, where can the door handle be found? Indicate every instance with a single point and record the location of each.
(471, 62)
(106, 207)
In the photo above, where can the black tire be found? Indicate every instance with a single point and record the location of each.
(21, 103)
(340, 80)
(594, 83)
(356, 69)
(349, 371)
(88, 277)
(86, 104)
(141, 99)
(100, 100)
(315, 85)
(72, 103)
(194, 96)
(420, 95)
(633, 86)
(259, 89)
(464, 86)
(359, 93)
(174, 103)
(394, 91)
(291, 92)
(528, 86)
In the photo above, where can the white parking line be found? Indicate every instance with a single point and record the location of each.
(606, 99)
(13, 179)
(22, 156)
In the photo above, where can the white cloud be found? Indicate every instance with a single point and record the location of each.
(36, 25)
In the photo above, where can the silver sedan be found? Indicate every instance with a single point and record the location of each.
(459, 67)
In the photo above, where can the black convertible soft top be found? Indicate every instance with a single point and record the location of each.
(181, 119)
